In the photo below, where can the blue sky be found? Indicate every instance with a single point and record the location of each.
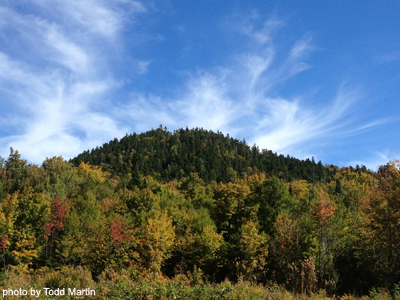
(304, 78)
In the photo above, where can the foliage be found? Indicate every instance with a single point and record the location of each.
(189, 215)
(213, 156)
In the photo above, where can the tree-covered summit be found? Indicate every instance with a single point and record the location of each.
(169, 155)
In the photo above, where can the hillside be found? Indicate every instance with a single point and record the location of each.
(60, 222)
(214, 156)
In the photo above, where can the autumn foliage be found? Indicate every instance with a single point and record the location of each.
(59, 213)
(339, 234)
(117, 227)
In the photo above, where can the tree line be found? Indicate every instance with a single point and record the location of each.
(167, 155)
(341, 234)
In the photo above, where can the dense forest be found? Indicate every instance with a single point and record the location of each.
(200, 215)
(213, 156)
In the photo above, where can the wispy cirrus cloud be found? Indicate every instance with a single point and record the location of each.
(241, 98)
(62, 81)
(288, 123)
(58, 77)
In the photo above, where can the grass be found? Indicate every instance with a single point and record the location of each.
(130, 285)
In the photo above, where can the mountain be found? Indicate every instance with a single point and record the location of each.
(168, 155)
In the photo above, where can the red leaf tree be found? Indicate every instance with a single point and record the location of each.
(59, 213)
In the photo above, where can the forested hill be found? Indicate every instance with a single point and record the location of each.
(214, 156)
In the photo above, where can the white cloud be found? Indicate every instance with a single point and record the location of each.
(59, 83)
(378, 158)
(288, 123)
(69, 53)
(142, 66)
(240, 99)
(257, 65)
(261, 34)
(145, 112)
(206, 104)
(301, 48)
(60, 86)
(97, 17)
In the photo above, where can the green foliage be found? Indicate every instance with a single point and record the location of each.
(213, 156)
(273, 197)
(16, 167)
(187, 215)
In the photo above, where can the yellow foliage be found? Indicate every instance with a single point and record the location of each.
(93, 172)
(253, 245)
(8, 209)
(254, 249)
(301, 188)
(25, 248)
(159, 236)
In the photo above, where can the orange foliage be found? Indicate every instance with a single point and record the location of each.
(324, 209)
